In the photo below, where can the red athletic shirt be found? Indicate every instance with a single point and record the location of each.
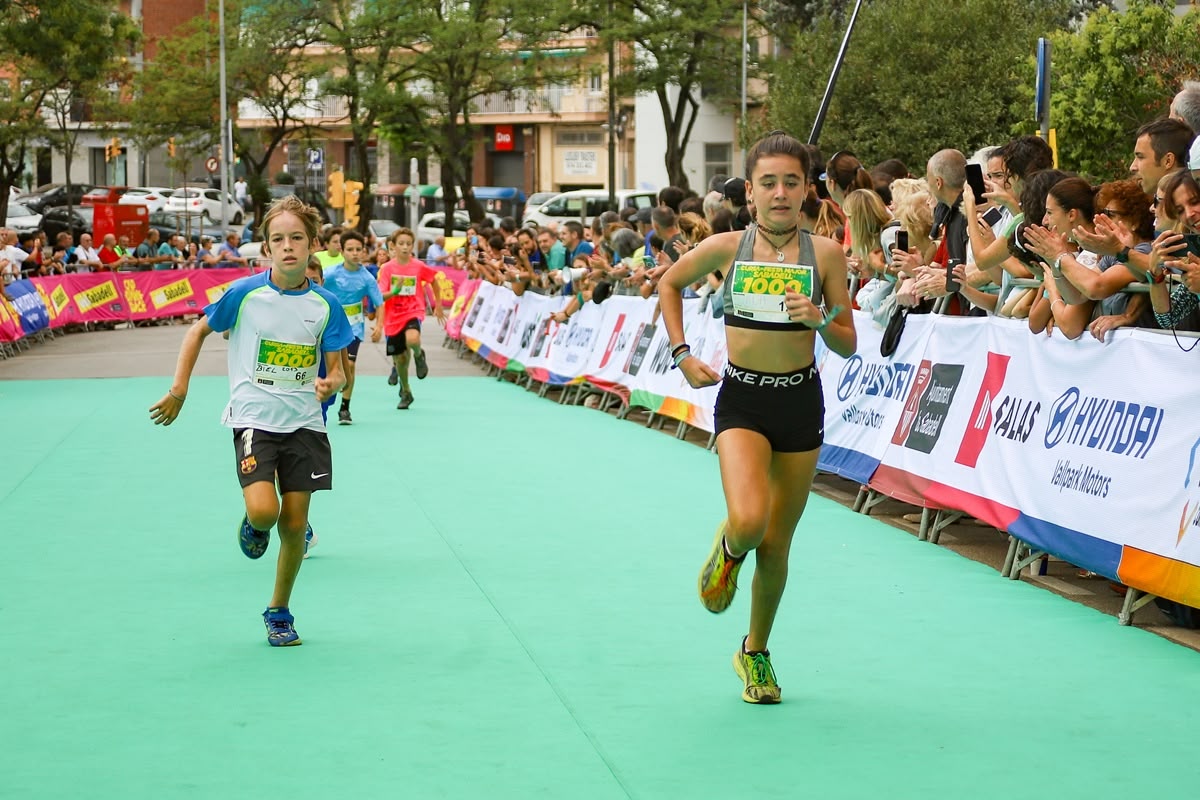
(412, 277)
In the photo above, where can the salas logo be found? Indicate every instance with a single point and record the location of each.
(887, 379)
(928, 403)
(613, 340)
(995, 412)
(1120, 427)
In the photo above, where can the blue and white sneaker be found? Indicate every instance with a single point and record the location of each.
(281, 632)
(310, 540)
(252, 541)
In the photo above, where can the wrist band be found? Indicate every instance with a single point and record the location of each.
(682, 356)
(675, 350)
(177, 397)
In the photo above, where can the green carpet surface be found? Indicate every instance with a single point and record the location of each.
(503, 605)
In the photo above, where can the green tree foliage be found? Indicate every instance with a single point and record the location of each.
(364, 38)
(1115, 74)
(917, 78)
(88, 39)
(178, 95)
(684, 51)
(460, 54)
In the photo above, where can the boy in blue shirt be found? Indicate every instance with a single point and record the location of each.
(350, 283)
(279, 326)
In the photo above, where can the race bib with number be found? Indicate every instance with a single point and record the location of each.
(354, 313)
(758, 288)
(285, 365)
(404, 285)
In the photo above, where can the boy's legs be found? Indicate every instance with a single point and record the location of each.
(397, 348)
(293, 521)
(262, 504)
(413, 339)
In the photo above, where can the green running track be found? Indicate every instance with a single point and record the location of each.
(502, 605)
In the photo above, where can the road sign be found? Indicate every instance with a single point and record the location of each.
(212, 165)
(316, 157)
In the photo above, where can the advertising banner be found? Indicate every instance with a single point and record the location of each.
(865, 394)
(1087, 450)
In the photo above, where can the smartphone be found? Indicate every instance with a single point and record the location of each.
(474, 241)
(975, 181)
(480, 257)
(1193, 242)
(951, 283)
(648, 262)
(509, 260)
(992, 215)
(901, 241)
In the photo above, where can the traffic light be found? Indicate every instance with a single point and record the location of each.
(336, 195)
(352, 189)
(171, 147)
(112, 149)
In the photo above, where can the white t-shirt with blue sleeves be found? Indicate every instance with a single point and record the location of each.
(349, 287)
(277, 341)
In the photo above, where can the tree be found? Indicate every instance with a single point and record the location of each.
(912, 84)
(684, 51)
(458, 54)
(89, 37)
(365, 38)
(1115, 74)
(176, 97)
(266, 63)
(272, 67)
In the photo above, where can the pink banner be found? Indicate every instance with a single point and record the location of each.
(462, 303)
(449, 280)
(10, 322)
(125, 296)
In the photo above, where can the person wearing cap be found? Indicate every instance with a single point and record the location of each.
(733, 194)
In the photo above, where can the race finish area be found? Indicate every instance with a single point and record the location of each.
(503, 605)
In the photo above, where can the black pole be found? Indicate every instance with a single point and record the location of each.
(833, 76)
(612, 122)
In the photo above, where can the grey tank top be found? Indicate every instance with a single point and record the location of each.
(752, 294)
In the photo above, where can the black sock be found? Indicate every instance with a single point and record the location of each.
(729, 555)
(345, 404)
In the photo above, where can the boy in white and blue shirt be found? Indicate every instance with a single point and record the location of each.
(281, 327)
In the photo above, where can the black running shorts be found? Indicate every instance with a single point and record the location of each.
(352, 349)
(398, 344)
(300, 460)
(788, 409)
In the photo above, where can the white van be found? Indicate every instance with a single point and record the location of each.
(582, 205)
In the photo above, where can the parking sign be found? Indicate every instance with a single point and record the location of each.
(316, 157)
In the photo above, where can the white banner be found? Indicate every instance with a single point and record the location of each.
(865, 393)
(1090, 451)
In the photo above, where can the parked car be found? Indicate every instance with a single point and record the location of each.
(49, 195)
(153, 198)
(382, 228)
(168, 223)
(204, 203)
(79, 221)
(535, 200)
(582, 205)
(433, 225)
(103, 194)
(22, 219)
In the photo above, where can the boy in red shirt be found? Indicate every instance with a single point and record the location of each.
(404, 282)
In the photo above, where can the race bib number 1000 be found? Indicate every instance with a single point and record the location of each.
(285, 365)
(758, 288)
(404, 285)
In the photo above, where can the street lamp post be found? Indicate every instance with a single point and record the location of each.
(226, 147)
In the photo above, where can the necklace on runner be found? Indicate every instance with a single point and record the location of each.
(779, 256)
